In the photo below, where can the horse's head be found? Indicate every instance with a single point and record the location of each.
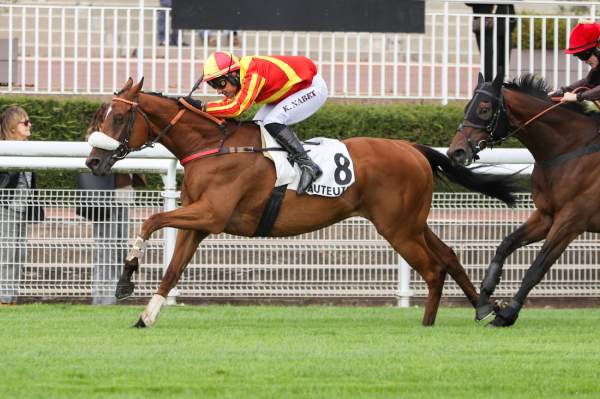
(484, 122)
(125, 128)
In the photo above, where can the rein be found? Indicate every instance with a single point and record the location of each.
(560, 101)
(124, 148)
(492, 126)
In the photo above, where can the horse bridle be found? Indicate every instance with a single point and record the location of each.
(493, 125)
(123, 150)
(489, 128)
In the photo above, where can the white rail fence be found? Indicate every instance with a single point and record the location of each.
(92, 50)
(348, 259)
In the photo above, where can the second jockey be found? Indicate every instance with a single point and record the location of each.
(584, 44)
(289, 87)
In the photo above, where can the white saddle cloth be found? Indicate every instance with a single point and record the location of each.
(331, 155)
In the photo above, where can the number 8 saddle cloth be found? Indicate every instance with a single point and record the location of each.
(331, 155)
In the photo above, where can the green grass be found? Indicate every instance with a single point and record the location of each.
(63, 351)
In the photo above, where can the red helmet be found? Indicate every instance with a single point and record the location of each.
(583, 37)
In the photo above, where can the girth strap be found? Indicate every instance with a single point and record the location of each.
(267, 220)
(579, 152)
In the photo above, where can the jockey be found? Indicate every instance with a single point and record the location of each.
(289, 87)
(584, 44)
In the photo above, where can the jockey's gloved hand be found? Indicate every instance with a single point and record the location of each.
(195, 103)
(557, 93)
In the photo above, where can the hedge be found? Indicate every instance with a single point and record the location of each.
(537, 32)
(434, 125)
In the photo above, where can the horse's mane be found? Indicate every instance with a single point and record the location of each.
(537, 87)
(530, 84)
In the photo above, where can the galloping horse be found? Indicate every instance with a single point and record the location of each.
(393, 189)
(564, 142)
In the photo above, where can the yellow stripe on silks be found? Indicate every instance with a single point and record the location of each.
(253, 91)
(292, 76)
(250, 94)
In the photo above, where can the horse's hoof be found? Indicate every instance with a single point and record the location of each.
(483, 312)
(140, 323)
(500, 322)
(504, 318)
(124, 290)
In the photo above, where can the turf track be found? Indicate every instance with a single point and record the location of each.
(63, 351)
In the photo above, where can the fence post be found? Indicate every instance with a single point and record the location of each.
(140, 48)
(404, 292)
(171, 195)
(445, 56)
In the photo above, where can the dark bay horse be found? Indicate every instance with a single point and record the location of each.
(564, 142)
(227, 193)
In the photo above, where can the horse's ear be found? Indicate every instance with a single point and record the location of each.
(497, 83)
(138, 86)
(128, 85)
(480, 79)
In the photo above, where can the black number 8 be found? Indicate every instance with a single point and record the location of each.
(343, 166)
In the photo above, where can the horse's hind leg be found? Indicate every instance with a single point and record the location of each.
(418, 255)
(453, 266)
(185, 247)
(534, 229)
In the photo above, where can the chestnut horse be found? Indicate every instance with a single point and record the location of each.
(393, 189)
(564, 142)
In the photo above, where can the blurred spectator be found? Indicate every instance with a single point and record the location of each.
(162, 26)
(225, 36)
(109, 213)
(488, 35)
(17, 207)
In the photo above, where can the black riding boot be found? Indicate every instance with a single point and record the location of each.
(288, 140)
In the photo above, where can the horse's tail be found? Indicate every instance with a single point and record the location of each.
(500, 187)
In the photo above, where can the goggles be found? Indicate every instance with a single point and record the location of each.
(218, 83)
(584, 55)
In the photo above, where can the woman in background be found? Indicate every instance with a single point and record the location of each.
(15, 207)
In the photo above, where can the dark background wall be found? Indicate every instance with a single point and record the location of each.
(302, 15)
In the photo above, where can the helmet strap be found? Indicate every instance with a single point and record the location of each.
(234, 78)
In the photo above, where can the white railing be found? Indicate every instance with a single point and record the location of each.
(92, 50)
(348, 259)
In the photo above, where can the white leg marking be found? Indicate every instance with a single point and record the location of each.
(152, 310)
(138, 249)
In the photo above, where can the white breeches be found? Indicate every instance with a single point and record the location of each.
(296, 107)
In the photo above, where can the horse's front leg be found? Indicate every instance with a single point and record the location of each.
(198, 216)
(185, 247)
(564, 230)
(534, 229)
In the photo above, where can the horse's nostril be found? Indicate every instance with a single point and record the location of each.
(92, 163)
(458, 156)
(459, 153)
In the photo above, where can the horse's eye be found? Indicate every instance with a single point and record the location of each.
(117, 119)
(484, 111)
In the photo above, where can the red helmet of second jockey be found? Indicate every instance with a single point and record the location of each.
(221, 64)
(583, 37)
